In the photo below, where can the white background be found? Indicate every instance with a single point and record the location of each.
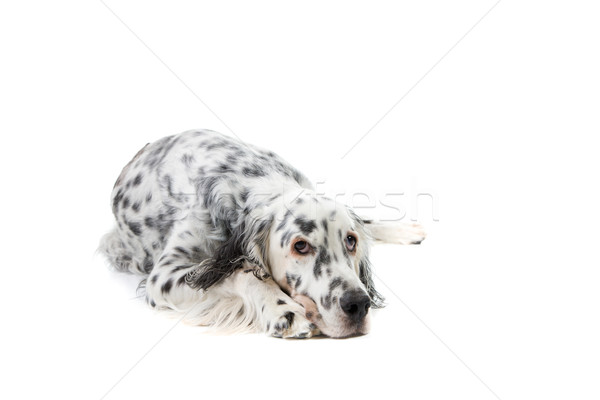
(501, 301)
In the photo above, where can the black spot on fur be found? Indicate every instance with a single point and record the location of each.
(306, 226)
(148, 263)
(154, 278)
(280, 302)
(135, 207)
(283, 222)
(285, 239)
(181, 280)
(231, 159)
(125, 202)
(297, 176)
(208, 186)
(289, 316)
(166, 287)
(253, 171)
(182, 267)
(168, 183)
(323, 258)
(293, 280)
(187, 159)
(137, 180)
(290, 278)
(244, 195)
(181, 251)
(116, 200)
(224, 168)
(335, 282)
(135, 227)
(215, 145)
(325, 225)
(164, 222)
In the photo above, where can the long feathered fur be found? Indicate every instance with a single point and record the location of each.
(195, 217)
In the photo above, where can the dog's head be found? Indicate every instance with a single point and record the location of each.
(318, 254)
(315, 249)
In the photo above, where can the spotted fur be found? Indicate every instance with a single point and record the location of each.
(211, 224)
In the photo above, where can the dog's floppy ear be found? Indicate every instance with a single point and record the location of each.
(248, 242)
(364, 265)
(366, 277)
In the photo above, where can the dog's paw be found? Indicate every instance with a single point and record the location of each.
(399, 233)
(413, 233)
(291, 324)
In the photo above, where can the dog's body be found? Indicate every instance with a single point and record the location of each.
(232, 235)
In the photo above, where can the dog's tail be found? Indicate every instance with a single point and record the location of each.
(395, 232)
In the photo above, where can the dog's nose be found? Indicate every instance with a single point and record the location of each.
(355, 304)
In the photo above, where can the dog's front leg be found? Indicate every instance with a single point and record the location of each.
(274, 311)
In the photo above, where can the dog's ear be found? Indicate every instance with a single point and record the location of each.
(365, 273)
(366, 277)
(257, 244)
(248, 242)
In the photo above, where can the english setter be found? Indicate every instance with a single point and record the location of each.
(234, 236)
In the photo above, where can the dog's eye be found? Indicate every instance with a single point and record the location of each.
(302, 247)
(351, 243)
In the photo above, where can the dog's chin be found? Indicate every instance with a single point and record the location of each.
(345, 328)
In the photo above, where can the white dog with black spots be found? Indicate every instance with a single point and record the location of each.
(233, 236)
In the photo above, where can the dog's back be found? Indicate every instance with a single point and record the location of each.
(201, 172)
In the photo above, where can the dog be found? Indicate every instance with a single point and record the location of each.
(233, 236)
